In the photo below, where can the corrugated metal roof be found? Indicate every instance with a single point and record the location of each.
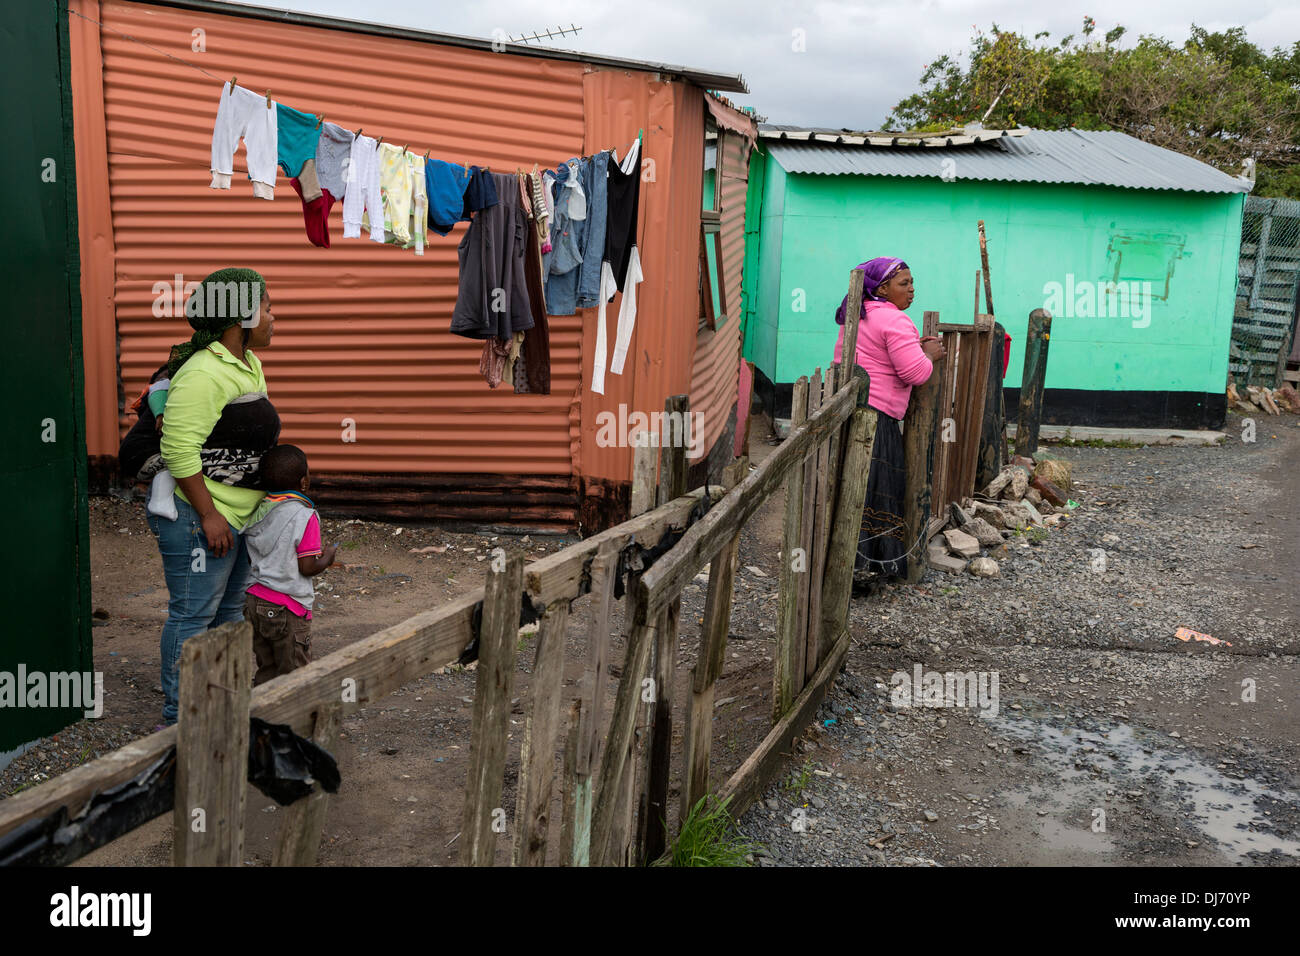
(1086, 157)
(727, 82)
(848, 137)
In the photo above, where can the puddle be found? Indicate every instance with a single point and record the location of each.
(1221, 807)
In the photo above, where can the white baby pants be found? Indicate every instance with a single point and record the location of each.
(363, 190)
(243, 114)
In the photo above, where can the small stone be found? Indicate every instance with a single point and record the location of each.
(1019, 484)
(984, 568)
(931, 816)
(1049, 491)
(983, 532)
(962, 544)
(990, 513)
(938, 557)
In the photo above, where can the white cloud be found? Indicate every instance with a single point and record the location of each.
(860, 59)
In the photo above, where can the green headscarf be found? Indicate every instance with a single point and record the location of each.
(225, 298)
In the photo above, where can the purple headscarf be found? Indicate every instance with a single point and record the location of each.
(877, 271)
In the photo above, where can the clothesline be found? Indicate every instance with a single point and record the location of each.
(584, 275)
(194, 66)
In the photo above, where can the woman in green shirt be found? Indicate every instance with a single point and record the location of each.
(217, 423)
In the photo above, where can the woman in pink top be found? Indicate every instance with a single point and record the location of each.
(896, 358)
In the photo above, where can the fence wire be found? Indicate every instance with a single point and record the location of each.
(1268, 289)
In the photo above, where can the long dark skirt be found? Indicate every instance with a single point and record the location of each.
(882, 540)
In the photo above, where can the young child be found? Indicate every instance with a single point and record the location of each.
(284, 551)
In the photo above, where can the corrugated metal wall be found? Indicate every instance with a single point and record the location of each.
(715, 376)
(361, 329)
(661, 354)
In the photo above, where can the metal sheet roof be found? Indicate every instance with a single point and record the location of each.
(726, 82)
(1086, 157)
(953, 137)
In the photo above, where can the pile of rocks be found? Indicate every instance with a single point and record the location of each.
(1253, 398)
(1027, 497)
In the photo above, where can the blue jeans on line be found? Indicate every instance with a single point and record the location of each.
(202, 594)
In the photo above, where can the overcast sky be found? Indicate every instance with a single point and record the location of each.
(860, 58)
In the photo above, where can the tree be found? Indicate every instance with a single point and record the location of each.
(1216, 97)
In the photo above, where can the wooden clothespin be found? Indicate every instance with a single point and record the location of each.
(379, 142)
(232, 83)
(426, 154)
(359, 129)
(320, 119)
(405, 148)
(268, 99)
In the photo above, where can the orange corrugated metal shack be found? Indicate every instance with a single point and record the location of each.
(389, 404)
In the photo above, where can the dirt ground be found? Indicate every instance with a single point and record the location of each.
(1100, 708)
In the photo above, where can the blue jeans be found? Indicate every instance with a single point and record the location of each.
(595, 182)
(203, 591)
(561, 267)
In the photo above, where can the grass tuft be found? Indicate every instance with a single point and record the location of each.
(708, 838)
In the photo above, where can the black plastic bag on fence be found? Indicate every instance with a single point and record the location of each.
(285, 766)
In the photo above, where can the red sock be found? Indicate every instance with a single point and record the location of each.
(316, 214)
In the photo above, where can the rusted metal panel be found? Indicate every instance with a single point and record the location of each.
(361, 345)
(660, 358)
(361, 329)
(715, 375)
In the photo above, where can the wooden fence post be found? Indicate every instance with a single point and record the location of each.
(837, 583)
(537, 750)
(788, 668)
(575, 820)
(299, 841)
(614, 762)
(216, 682)
(498, 637)
(806, 632)
(672, 484)
(918, 458)
(827, 468)
(1032, 382)
(698, 739)
(993, 439)
(980, 343)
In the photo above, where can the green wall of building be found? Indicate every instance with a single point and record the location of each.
(815, 229)
(45, 584)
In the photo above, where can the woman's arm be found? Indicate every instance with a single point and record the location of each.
(909, 359)
(194, 404)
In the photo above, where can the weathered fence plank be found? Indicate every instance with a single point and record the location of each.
(787, 670)
(672, 483)
(541, 731)
(212, 746)
(300, 828)
(575, 818)
(698, 739)
(837, 583)
(918, 459)
(1032, 382)
(491, 715)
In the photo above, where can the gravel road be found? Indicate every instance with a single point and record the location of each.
(1111, 741)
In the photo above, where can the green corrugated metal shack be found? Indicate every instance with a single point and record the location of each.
(1133, 249)
(45, 589)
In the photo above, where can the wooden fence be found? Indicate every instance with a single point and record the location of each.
(615, 770)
